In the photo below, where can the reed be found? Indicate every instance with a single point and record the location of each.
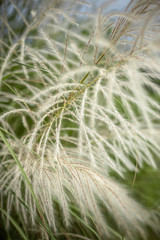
(79, 105)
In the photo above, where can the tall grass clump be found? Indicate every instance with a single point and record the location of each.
(79, 104)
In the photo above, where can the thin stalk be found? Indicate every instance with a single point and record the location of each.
(39, 209)
(23, 235)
